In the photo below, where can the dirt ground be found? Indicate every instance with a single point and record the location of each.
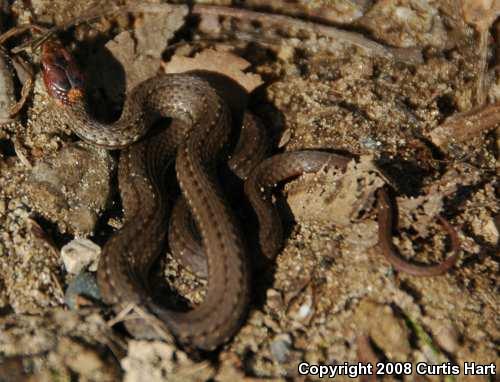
(407, 87)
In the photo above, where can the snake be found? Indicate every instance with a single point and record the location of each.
(194, 144)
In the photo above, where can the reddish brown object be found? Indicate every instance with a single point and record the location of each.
(62, 78)
(194, 141)
(385, 212)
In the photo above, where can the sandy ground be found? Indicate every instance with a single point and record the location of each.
(378, 97)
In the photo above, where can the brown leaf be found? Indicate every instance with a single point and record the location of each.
(225, 63)
(154, 30)
(141, 58)
(137, 67)
(334, 197)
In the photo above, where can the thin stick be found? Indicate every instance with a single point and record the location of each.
(23, 66)
(121, 316)
(156, 323)
(406, 55)
(482, 66)
(15, 31)
(25, 92)
(465, 126)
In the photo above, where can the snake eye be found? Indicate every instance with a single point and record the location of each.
(59, 79)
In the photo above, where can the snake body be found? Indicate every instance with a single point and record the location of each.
(194, 141)
(199, 129)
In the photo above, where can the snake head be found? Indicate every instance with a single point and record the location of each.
(63, 79)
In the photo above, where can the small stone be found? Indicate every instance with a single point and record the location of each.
(486, 228)
(80, 254)
(388, 331)
(274, 300)
(210, 24)
(157, 361)
(447, 337)
(280, 347)
(84, 284)
(370, 143)
(285, 138)
(82, 359)
(71, 188)
(302, 308)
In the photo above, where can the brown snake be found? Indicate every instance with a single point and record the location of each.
(199, 129)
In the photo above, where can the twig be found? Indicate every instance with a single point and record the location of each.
(372, 47)
(156, 324)
(20, 29)
(25, 92)
(482, 67)
(465, 126)
(481, 14)
(121, 316)
(405, 55)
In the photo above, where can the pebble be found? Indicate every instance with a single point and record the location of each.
(281, 346)
(84, 284)
(72, 187)
(80, 254)
(156, 361)
(447, 337)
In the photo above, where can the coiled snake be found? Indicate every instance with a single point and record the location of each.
(193, 141)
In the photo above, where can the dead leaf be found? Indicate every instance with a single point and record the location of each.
(137, 68)
(154, 30)
(333, 197)
(420, 212)
(222, 62)
(141, 57)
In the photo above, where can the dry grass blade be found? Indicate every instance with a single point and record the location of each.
(127, 314)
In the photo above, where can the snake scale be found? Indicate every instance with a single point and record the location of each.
(193, 142)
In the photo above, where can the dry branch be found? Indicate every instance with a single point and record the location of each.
(465, 126)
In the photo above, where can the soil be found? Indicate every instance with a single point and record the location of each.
(330, 286)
